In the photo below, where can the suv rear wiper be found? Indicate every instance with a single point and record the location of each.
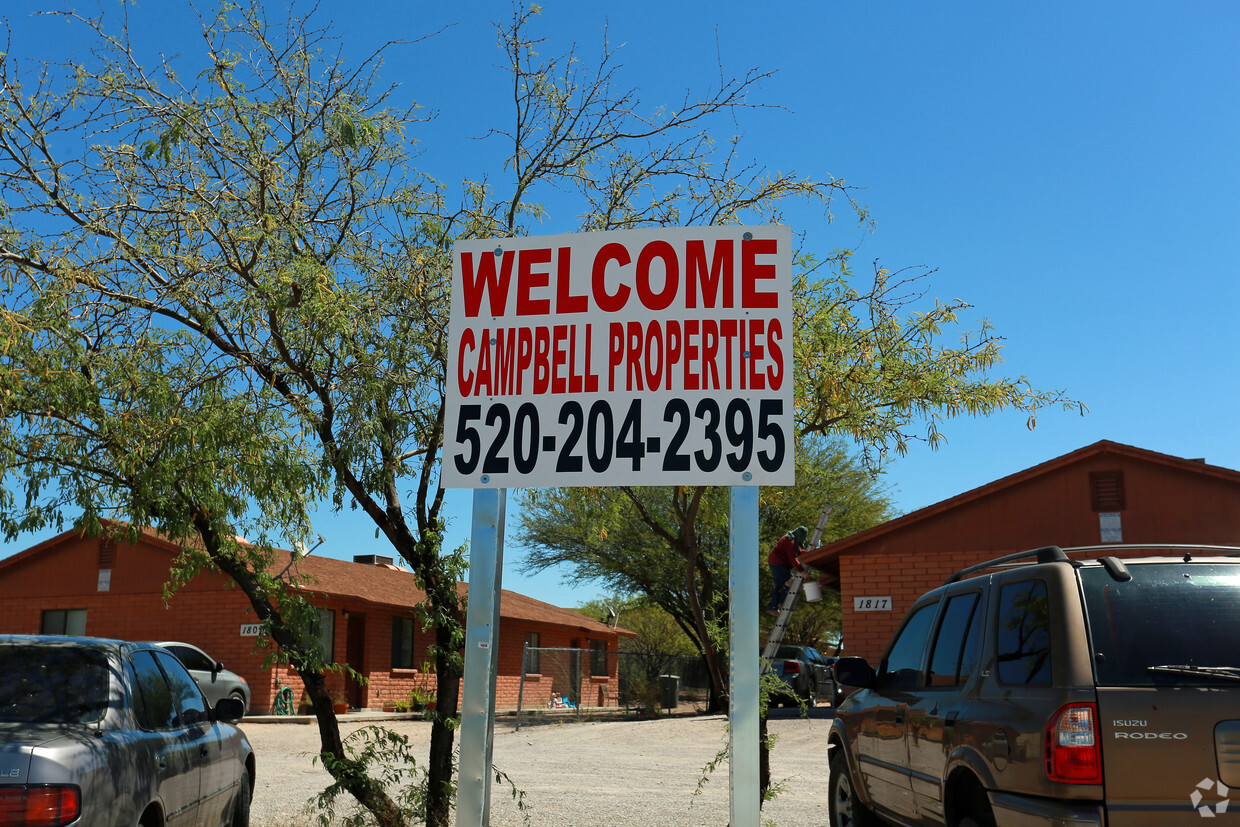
(1227, 672)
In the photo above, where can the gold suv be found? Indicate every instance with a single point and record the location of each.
(1044, 689)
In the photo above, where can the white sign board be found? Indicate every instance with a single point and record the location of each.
(639, 357)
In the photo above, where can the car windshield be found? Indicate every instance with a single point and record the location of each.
(52, 684)
(1173, 623)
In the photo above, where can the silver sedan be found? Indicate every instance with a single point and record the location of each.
(107, 732)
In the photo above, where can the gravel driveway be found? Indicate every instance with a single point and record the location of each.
(613, 773)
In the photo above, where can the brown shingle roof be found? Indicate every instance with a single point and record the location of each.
(396, 588)
(377, 585)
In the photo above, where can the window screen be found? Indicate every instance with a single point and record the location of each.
(323, 627)
(598, 658)
(402, 643)
(64, 622)
(532, 661)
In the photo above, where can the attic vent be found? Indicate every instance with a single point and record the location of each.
(107, 554)
(1106, 490)
(372, 559)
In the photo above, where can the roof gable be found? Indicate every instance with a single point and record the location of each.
(1005, 484)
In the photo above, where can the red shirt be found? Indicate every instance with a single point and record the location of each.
(785, 551)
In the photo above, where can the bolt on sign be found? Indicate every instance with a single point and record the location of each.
(660, 356)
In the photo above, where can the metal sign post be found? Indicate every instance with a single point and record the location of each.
(743, 651)
(486, 564)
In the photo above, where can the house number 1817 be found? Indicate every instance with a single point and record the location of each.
(872, 604)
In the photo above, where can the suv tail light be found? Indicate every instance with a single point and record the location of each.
(39, 806)
(791, 667)
(1073, 755)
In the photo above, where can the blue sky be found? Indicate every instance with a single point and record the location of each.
(1070, 169)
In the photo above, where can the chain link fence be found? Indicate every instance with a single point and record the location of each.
(560, 683)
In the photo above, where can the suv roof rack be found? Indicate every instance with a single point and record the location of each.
(1056, 554)
(1176, 547)
(1045, 554)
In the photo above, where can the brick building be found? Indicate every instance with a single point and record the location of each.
(1102, 493)
(99, 587)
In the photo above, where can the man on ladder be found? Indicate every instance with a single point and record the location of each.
(783, 560)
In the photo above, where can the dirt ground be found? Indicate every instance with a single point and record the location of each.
(613, 773)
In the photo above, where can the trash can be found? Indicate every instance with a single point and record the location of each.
(669, 691)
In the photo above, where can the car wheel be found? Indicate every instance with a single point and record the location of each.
(843, 808)
(241, 803)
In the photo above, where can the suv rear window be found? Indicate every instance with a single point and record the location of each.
(1169, 614)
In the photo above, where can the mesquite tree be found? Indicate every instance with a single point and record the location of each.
(246, 221)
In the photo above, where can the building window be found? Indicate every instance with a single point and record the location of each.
(64, 622)
(532, 665)
(323, 628)
(1106, 490)
(402, 643)
(598, 658)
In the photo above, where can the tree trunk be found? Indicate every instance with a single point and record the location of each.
(718, 701)
(439, 787)
(353, 777)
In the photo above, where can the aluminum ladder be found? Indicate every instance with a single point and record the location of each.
(792, 597)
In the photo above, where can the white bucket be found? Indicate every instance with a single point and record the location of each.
(813, 593)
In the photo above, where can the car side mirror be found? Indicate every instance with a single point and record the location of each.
(229, 710)
(854, 671)
(218, 667)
